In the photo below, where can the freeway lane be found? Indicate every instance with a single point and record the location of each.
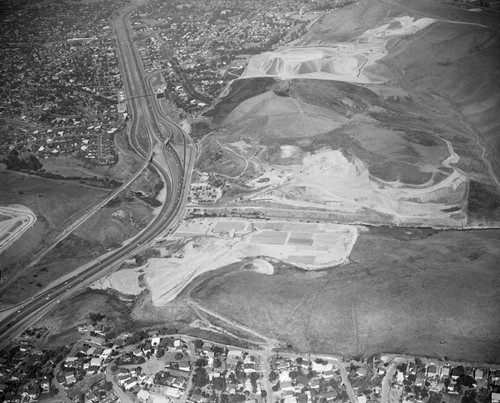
(139, 111)
(42, 303)
(175, 171)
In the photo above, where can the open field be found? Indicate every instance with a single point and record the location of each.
(45, 196)
(128, 163)
(125, 281)
(483, 204)
(70, 254)
(115, 223)
(406, 291)
(55, 202)
(107, 228)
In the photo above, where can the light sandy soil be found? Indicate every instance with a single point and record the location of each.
(329, 179)
(125, 281)
(340, 62)
(16, 220)
(263, 266)
(426, 187)
(216, 243)
(162, 195)
(186, 126)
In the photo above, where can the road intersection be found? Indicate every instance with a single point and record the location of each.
(173, 167)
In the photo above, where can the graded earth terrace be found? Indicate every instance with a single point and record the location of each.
(339, 61)
(339, 126)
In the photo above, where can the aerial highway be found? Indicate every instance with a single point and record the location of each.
(21, 219)
(151, 135)
(131, 69)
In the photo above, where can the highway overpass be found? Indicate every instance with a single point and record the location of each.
(159, 153)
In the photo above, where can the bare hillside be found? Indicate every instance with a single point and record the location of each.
(381, 108)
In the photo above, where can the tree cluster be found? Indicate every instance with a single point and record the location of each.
(15, 162)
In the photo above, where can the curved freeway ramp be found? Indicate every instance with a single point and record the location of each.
(15, 220)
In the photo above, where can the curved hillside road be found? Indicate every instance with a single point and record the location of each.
(10, 231)
(388, 378)
(124, 397)
(343, 373)
(337, 363)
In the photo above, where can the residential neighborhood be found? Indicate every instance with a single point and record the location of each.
(154, 366)
(201, 46)
(422, 379)
(60, 83)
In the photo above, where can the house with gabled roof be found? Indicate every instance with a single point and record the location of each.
(412, 368)
(180, 382)
(130, 383)
(314, 384)
(197, 399)
(420, 379)
(445, 372)
(122, 378)
(330, 396)
(70, 378)
(400, 377)
(329, 374)
(431, 370)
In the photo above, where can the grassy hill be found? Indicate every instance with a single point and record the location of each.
(415, 292)
(456, 58)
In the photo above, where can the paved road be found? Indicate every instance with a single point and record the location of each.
(267, 355)
(389, 375)
(343, 373)
(174, 169)
(123, 396)
(265, 366)
(22, 219)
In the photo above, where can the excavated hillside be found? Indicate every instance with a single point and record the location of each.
(413, 141)
(406, 138)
